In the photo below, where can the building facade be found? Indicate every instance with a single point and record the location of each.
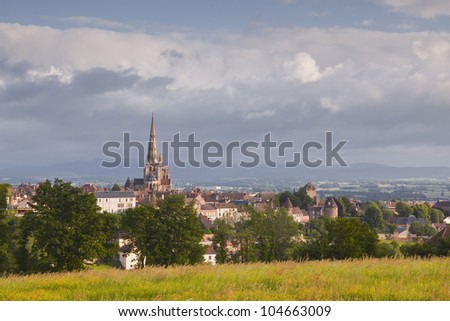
(115, 202)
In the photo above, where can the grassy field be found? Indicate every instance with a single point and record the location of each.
(384, 279)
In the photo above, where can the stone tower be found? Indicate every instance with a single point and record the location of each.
(156, 176)
(310, 190)
(330, 208)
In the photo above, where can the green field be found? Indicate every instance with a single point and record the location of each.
(371, 279)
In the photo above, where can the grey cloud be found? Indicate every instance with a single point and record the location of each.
(155, 83)
(172, 54)
(420, 8)
(13, 69)
(387, 95)
(100, 80)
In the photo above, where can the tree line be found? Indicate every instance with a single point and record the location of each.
(66, 230)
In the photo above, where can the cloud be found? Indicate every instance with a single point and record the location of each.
(420, 8)
(63, 93)
(368, 23)
(329, 104)
(303, 68)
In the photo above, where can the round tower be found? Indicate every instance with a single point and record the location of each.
(330, 208)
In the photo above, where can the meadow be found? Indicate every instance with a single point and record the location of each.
(368, 279)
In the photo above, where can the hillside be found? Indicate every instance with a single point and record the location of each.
(372, 279)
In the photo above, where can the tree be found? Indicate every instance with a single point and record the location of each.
(64, 229)
(343, 238)
(285, 195)
(6, 258)
(222, 234)
(374, 217)
(349, 238)
(265, 236)
(168, 234)
(274, 231)
(423, 250)
(344, 206)
(443, 248)
(422, 211)
(387, 213)
(116, 188)
(317, 227)
(403, 209)
(304, 199)
(419, 229)
(436, 216)
(416, 228)
(391, 250)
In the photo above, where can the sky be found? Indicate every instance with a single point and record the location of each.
(76, 74)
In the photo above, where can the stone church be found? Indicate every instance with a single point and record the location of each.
(156, 179)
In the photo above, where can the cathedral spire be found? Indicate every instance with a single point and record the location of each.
(152, 156)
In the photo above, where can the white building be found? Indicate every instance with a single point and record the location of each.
(128, 257)
(225, 210)
(115, 202)
(210, 256)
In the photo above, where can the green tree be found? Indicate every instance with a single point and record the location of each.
(64, 229)
(116, 188)
(349, 238)
(274, 230)
(142, 227)
(403, 209)
(266, 236)
(420, 229)
(443, 248)
(416, 228)
(245, 236)
(385, 249)
(374, 217)
(429, 230)
(168, 234)
(422, 211)
(417, 249)
(222, 233)
(304, 199)
(283, 196)
(436, 215)
(343, 238)
(6, 257)
(317, 227)
(387, 213)
(344, 206)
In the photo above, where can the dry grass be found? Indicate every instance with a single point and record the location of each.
(371, 279)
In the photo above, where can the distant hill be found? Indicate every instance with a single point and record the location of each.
(91, 171)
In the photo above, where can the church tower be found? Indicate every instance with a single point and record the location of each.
(156, 176)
